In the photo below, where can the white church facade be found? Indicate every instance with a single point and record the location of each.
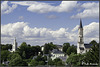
(81, 47)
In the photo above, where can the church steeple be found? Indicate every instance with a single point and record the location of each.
(80, 43)
(14, 47)
(81, 24)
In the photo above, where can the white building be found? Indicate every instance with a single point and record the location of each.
(14, 46)
(60, 47)
(56, 54)
(81, 47)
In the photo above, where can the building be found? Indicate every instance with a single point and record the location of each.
(60, 47)
(14, 46)
(81, 47)
(56, 54)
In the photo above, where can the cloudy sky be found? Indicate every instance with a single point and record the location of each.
(40, 22)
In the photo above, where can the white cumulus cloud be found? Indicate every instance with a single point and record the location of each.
(5, 8)
(41, 7)
(40, 36)
(91, 32)
(91, 10)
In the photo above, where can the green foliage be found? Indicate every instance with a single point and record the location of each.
(93, 55)
(71, 49)
(93, 42)
(6, 47)
(50, 62)
(48, 47)
(33, 63)
(74, 59)
(41, 63)
(3, 65)
(65, 47)
(4, 55)
(58, 62)
(24, 55)
(27, 51)
(16, 60)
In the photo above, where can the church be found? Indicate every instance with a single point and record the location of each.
(81, 46)
(14, 46)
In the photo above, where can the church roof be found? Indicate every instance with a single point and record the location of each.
(81, 24)
(87, 45)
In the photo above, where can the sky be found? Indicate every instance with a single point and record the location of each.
(40, 22)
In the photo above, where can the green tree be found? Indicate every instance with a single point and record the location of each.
(59, 63)
(65, 47)
(6, 47)
(24, 55)
(41, 63)
(50, 62)
(40, 58)
(16, 60)
(71, 49)
(49, 47)
(93, 55)
(75, 59)
(4, 55)
(33, 63)
(28, 51)
(46, 48)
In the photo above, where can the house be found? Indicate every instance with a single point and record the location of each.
(60, 47)
(56, 54)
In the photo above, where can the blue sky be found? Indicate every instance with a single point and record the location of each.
(55, 16)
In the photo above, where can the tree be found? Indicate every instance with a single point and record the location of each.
(58, 62)
(65, 47)
(16, 60)
(24, 55)
(74, 59)
(33, 63)
(49, 47)
(9, 46)
(93, 42)
(40, 58)
(41, 63)
(6, 47)
(46, 48)
(93, 55)
(50, 62)
(4, 55)
(28, 51)
(71, 49)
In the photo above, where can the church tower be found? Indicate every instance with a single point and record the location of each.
(80, 44)
(14, 46)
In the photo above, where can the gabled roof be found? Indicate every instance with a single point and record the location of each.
(87, 45)
(59, 46)
(55, 51)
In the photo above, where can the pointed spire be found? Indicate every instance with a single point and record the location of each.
(81, 24)
(15, 38)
